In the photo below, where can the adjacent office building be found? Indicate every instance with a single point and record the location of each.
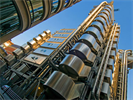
(20, 15)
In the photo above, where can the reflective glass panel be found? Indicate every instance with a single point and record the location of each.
(9, 20)
(36, 9)
(74, 0)
(65, 31)
(66, 2)
(55, 4)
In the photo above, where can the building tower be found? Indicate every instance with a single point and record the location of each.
(69, 64)
(123, 63)
(20, 15)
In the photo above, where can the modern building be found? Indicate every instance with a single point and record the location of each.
(71, 64)
(123, 63)
(17, 16)
(8, 47)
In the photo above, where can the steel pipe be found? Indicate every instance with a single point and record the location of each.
(100, 67)
(88, 24)
(125, 74)
(85, 21)
(29, 77)
(106, 62)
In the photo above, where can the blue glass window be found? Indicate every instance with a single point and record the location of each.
(36, 9)
(65, 31)
(9, 20)
(66, 2)
(55, 4)
(74, 1)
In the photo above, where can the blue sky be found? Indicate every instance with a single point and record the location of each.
(75, 15)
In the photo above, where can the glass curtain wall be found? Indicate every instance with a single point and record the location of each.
(9, 20)
(55, 4)
(66, 2)
(36, 9)
(74, 1)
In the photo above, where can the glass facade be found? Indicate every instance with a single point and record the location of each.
(36, 9)
(9, 20)
(74, 1)
(66, 2)
(65, 31)
(55, 4)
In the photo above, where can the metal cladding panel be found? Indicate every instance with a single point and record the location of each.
(109, 7)
(32, 43)
(63, 86)
(92, 57)
(96, 47)
(113, 54)
(111, 64)
(98, 25)
(38, 39)
(43, 51)
(37, 59)
(103, 21)
(115, 40)
(110, 13)
(105, 91)
(83, 52)
(50, 45)
(3, 66)
(56, 40)
(95, 32)
(23, 68)
(114, 46)
(88, 39)
(18, 53)
(10, 59)
(117, 35)
(14, 77)
(118, 30)
(61, 35)
(74, 66)
(106, 8)
(43, 35)
(48, 32)
(3, 51)
(26, 48)
(105, 11)
(108, 75)
(105, 17)
(101, 40)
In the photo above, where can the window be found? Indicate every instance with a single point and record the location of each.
(9, 20)
(36, 9)
(55, 4)
(66, 2)
(74, 1)
(65, 31)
